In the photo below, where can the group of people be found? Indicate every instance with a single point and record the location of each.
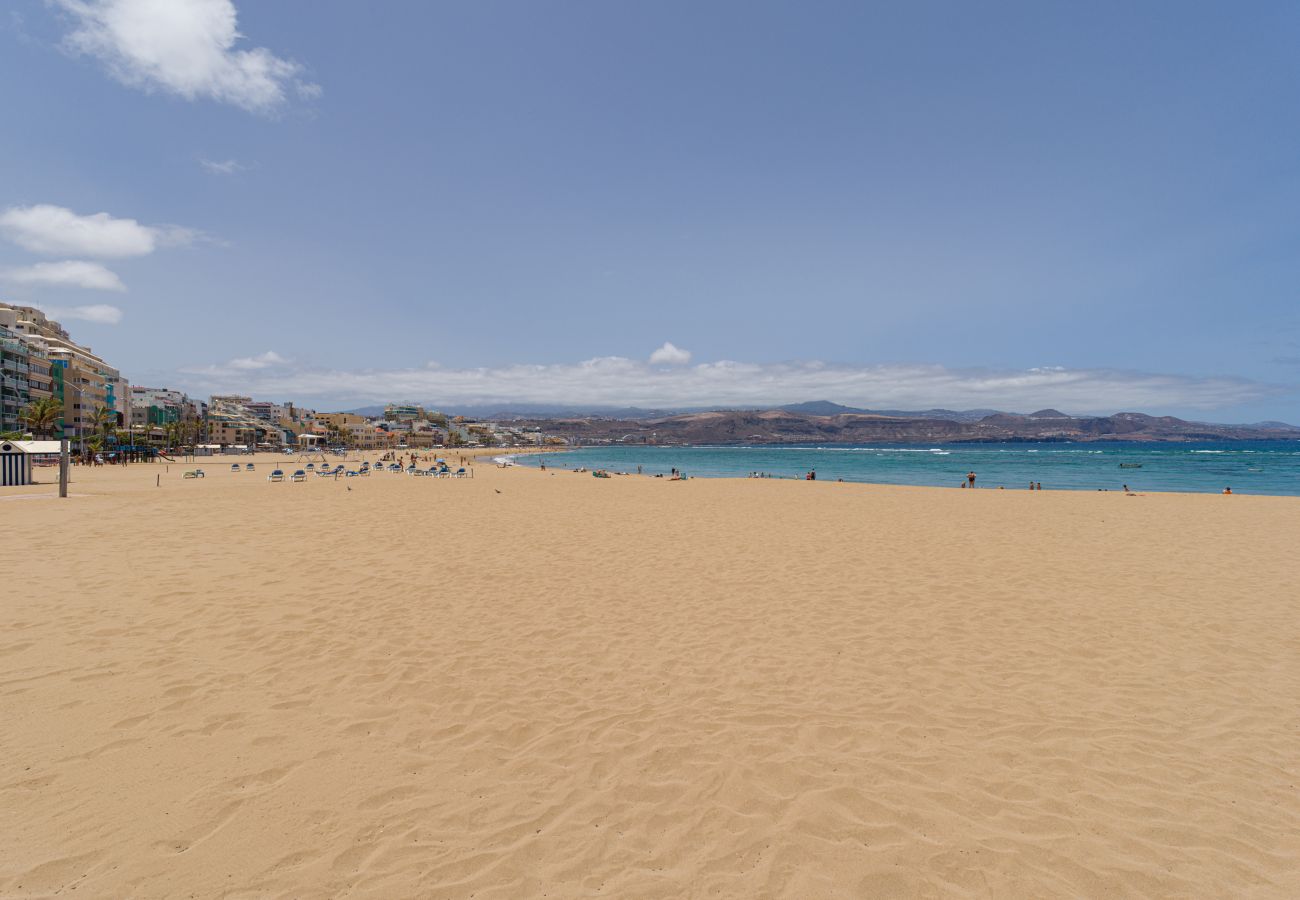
(969, 482)
(415, 458)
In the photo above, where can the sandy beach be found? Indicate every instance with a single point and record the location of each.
(542, 684)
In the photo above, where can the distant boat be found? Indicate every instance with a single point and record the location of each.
(1130, 465)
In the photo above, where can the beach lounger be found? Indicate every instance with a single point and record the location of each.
(248, 468)
(193, 473)
(234, 467)
(299, 475)
(276, 475)
(350, 474)
(311, 467)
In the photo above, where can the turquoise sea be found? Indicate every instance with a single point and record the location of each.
(1248, 467)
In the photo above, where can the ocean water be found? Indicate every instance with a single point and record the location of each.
(1248, 467)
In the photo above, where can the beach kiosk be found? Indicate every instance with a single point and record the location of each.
(15, 464)
(16, 459)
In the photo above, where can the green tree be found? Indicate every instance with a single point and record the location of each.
(42, 415)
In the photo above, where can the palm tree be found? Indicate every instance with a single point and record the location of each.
(42, 415)
(104, 420)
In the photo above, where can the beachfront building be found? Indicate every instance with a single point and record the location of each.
(231, 423)
(156, 411)
(370, 437)
(268, 411)
(416, 434)
(93, 393)
(24, 378)
(404, 412)
(339, 420)
(337, 427)
(162, 406)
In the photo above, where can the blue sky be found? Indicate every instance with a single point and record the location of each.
(1014, 205)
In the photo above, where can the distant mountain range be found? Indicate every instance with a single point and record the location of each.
(827, 408)
(825, 422)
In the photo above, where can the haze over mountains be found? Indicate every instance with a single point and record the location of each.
(824, 421)
(786, 426)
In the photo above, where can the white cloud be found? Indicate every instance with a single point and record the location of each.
(101, 313)
(240, 366)
(223, 167)
(56, 230)
(70, 273)
(670, 355)
(615, 381)
(252, 363)
(183, 47)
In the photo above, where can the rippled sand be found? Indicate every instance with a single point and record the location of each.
(547, 685)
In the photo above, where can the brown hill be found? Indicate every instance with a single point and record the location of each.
(785, 426)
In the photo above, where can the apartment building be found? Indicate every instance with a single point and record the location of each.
(339, 420)
(230, 421)
(24, 378)
(80, 380)
(404, 412)
(160, 406)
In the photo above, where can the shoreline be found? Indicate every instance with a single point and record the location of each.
(485, 458)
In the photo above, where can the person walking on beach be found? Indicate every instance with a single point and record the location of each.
(1040, 485)
(970, 479)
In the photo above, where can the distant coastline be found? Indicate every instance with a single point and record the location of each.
(789, 425)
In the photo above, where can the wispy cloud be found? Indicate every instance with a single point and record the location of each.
(69, 273)
(56, 230)
(183, 47)
(222, 167)
(101, 313)
(618, 381)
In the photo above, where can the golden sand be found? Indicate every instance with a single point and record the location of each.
(539, 684)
